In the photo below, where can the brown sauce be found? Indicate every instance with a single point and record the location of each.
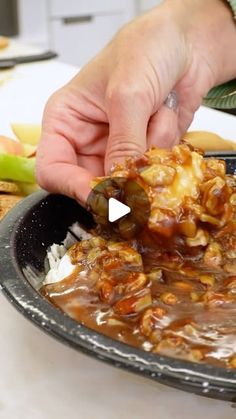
(190, 311)
(172, 289)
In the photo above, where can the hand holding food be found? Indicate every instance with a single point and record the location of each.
(116, 106)
(163, 289)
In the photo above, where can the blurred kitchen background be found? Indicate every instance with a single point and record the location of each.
(75, 29)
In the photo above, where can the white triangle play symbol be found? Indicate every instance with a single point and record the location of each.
(116, 210)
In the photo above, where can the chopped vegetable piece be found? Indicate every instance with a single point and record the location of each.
(17, 168)
(10, 146)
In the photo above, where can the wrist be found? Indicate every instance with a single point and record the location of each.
(211, 28)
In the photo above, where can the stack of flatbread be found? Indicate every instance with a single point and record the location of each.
(9, 196)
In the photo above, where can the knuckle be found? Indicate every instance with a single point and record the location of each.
(121, 146)
(125, 92)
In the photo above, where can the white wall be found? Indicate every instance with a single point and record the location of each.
(147, 4)
(33, 18)
(33, 21)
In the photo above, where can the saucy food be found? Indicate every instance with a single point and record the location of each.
(172, 289)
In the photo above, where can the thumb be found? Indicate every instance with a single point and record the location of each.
(128, 120)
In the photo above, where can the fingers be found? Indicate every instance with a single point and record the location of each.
(163, 128)
(132, 130)
(128, 113)
(186, 115)
(57, 170)
(163, 125)
(72, 146)
(74, 183)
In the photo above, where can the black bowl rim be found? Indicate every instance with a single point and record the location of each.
(194, 377)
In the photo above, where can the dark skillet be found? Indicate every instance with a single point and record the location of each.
(26, 232)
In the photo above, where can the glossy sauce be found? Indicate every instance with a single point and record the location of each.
(197, 304)
(172, 289)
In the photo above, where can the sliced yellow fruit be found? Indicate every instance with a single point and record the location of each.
(207, 140)
(27, 133)
(29, 150)
(10, 146)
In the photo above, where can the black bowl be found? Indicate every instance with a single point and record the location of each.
(26, 232)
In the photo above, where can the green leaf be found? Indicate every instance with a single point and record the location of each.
(222, 90)
(222, 97)
(228, 102)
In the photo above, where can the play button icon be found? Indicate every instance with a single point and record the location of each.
(116, 210)
(120, 207)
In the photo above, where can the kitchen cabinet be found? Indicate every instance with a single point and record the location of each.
(80, 29)
(76, 29)
(61, 8)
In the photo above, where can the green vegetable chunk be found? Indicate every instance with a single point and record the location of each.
(17, 168)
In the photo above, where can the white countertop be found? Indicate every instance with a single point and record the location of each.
(43, 379)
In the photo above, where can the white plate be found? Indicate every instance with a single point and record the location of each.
(25, 90)
(16, 49)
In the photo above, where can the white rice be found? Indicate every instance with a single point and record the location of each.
(59, 262)
(79, 232)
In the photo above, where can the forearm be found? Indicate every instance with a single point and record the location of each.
(211, 25)
(226, 41)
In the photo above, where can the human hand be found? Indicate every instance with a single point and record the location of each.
(114, 108)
